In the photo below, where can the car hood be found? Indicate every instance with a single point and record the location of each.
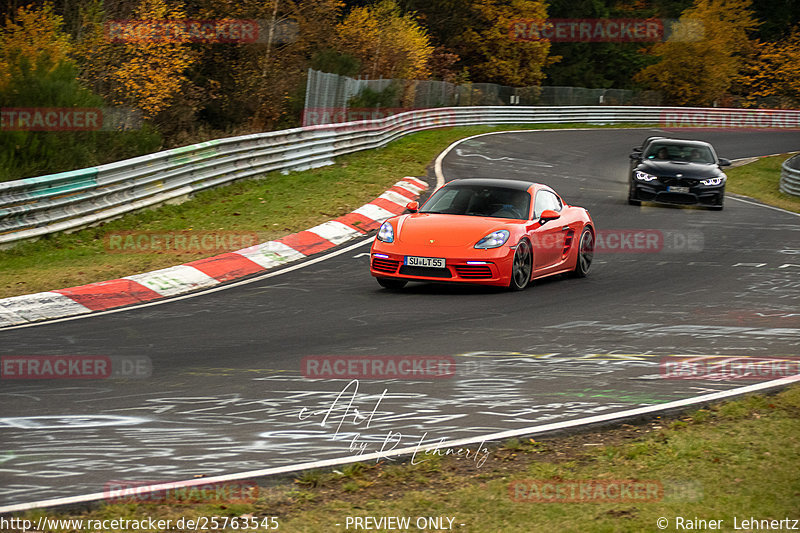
(679, 169)
(446, 230)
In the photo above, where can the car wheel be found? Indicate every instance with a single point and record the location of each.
(631, 199)
(585, 254)
(393, 284)
(522, 267)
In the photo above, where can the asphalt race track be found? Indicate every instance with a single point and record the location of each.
(223, 390)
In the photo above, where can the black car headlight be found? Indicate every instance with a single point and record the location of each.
(712, 181)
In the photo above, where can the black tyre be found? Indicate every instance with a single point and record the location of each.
(522, 267)
(393, 284)
(585, 254)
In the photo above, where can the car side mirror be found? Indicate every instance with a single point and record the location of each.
(548, 214)
(724, 162)
(636, 156)
(413, 206)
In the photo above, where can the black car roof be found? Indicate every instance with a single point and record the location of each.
(494, 182)
(684, 142)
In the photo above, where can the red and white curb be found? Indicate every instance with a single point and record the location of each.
(210, 271)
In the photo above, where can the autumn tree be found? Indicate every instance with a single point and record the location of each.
(31, 37)
(495, 56)
(704, 55)
(388, 43)
(37, 72)
(771, 76)
(600, 64)
(147, 73)
(260, 85)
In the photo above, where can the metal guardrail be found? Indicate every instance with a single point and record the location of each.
(33, 207)
(790, 176)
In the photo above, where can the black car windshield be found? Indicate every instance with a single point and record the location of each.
(677, 152)
(479, 200)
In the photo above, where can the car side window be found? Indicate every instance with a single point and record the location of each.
(545, 200)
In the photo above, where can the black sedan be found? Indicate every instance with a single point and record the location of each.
(677, 171)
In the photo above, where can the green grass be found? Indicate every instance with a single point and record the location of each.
(273, 206)
(734, 459)
(760, 180)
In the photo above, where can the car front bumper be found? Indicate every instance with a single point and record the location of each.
(483, 267)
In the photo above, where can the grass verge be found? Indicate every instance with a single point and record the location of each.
(760, 180)
(735, 460)
(273, 206)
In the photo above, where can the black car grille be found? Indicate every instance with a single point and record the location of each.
(385, 265)
(678, 182)
(427, 272)
(473, 271)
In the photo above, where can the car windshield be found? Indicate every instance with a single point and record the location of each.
(677, 152)
(480, 200)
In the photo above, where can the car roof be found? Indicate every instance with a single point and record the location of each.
(683, 142)
(495, 182)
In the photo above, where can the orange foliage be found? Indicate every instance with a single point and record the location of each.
(773, 73)
(152, 72)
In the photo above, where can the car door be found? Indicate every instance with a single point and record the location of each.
(548, 237)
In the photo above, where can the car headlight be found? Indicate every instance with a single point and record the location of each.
(386, 233)
(644, 176)
(493, 240)
(712, 181)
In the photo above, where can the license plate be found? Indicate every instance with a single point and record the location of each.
(678, 189)
(430, 262)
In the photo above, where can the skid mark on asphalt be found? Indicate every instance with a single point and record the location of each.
(180, 434)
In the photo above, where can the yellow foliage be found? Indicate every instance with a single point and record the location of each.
(704, 54)
(152, 72)
(505, 60)
(33, 34)
(387, 43)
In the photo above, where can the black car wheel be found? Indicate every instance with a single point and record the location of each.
(393, 284)
(585, 254)
(522, 267)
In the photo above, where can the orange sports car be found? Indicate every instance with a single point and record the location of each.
(485, 231)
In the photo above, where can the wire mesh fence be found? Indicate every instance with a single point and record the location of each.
(331, 98)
